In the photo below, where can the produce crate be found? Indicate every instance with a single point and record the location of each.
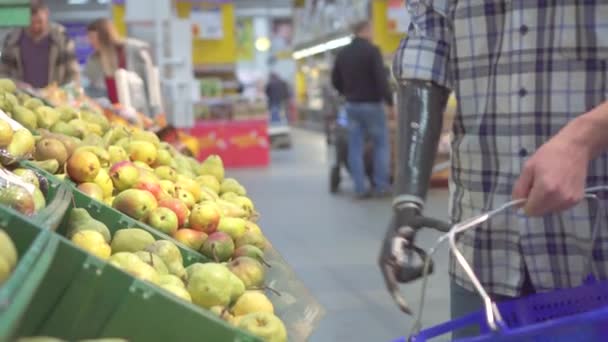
(84, 297)
(35, 257)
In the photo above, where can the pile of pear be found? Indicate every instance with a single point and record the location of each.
(231, 290)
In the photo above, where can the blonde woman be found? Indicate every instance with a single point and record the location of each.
(112, 52)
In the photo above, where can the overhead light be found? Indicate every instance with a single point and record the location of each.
(262, 44)
(77, 2)
(320, 48)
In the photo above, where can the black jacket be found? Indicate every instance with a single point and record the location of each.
(359, 73)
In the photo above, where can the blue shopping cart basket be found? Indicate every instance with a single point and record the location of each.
(573, 314)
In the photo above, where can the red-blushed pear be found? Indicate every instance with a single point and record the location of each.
(124, 175)
(190, 237)
(205, 216)
(135, 203)
(178, 207)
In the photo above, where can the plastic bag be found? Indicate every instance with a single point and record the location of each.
(295, 305)
(16, 193)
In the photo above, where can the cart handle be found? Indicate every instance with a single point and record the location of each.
(493, 316)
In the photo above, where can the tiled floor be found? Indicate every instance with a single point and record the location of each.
(332, 243)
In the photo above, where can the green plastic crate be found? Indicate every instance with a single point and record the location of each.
(17, 292)
(84, 297)
(11, 16)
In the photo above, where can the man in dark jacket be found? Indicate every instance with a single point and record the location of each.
(359, 75)
(277, 92)
(40, 54)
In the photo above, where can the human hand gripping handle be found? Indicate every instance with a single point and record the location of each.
(420, 108)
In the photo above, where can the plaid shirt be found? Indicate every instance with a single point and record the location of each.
(521, 70)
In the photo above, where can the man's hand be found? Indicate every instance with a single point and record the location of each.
(554, 178)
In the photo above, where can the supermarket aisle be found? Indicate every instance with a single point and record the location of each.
(332, 243)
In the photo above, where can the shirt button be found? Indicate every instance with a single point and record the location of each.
(523, 152)
(523, 29)
(522, 92)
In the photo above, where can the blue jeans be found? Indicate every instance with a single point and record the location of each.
(368, 120)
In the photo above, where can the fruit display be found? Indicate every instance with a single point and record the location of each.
(177, 208)
(233, 289)
(8, 256)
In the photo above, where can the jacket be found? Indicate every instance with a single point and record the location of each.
(359, 73)
(63, 64)
(135, 62)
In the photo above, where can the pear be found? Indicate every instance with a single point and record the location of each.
(22, 145)
(39, 200)
(192, 268)
(67, 113)
(218, 246)
(50, 165)
(264, 325)
(232, 185)
(146, 136)
(169, 279)
(117, 154)
(28, 176)
(142, 151)
(209, 285)
(214, 166)
(50, 148)
(18, 198)
(253, 238)
(33, 103)
(231, 209)
(237, 287)
(83, 166)
(25, 117)
(166, 173)
(233, 226)
(163, 158)
(46, 116)
(65, 128)
(249, 270)
(210, 182)
(6, 133)
(104, 181)
(170, 254)
(132, 264)
(250, 251)
(7, 85)
(156, 262)
(131, 240)
(8, 251)
(135, 203)
(5, 271)
(92, 242)
(178, 291)
(252, 301)
(80, 219)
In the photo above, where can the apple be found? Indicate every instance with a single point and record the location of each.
(190, 237)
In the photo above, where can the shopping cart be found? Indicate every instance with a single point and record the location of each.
(574, 314)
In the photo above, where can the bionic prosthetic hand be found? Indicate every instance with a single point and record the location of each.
(420, 116)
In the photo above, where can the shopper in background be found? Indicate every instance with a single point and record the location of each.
(41, 53)
(112, 52)
(278, 94)
(359, 75)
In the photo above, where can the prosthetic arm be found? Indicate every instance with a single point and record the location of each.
(420, 106)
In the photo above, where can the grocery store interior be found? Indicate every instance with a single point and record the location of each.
(134, 189)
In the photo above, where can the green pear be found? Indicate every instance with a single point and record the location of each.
(170, 279)
(163, 158)
(233, 226)
(67, 113)
(253, 238)
(50, 165)
(62, 127)
(7, 85)
(131, 240)
(80, 219)
(46, 116)
(25, 117)
(178, 291)
(39, 200)
(264, 325)
(237, 287)
(8, 251)
(232, 185)
(132, 264)
(156, 262)
(209, 285)
(22, 145)
(170, 254)
(214, 166)
(117, 154)
(33, 103)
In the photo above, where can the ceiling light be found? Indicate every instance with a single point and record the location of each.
(320, 48)
(262, 44)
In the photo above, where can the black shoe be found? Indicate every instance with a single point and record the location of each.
(334, 179)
